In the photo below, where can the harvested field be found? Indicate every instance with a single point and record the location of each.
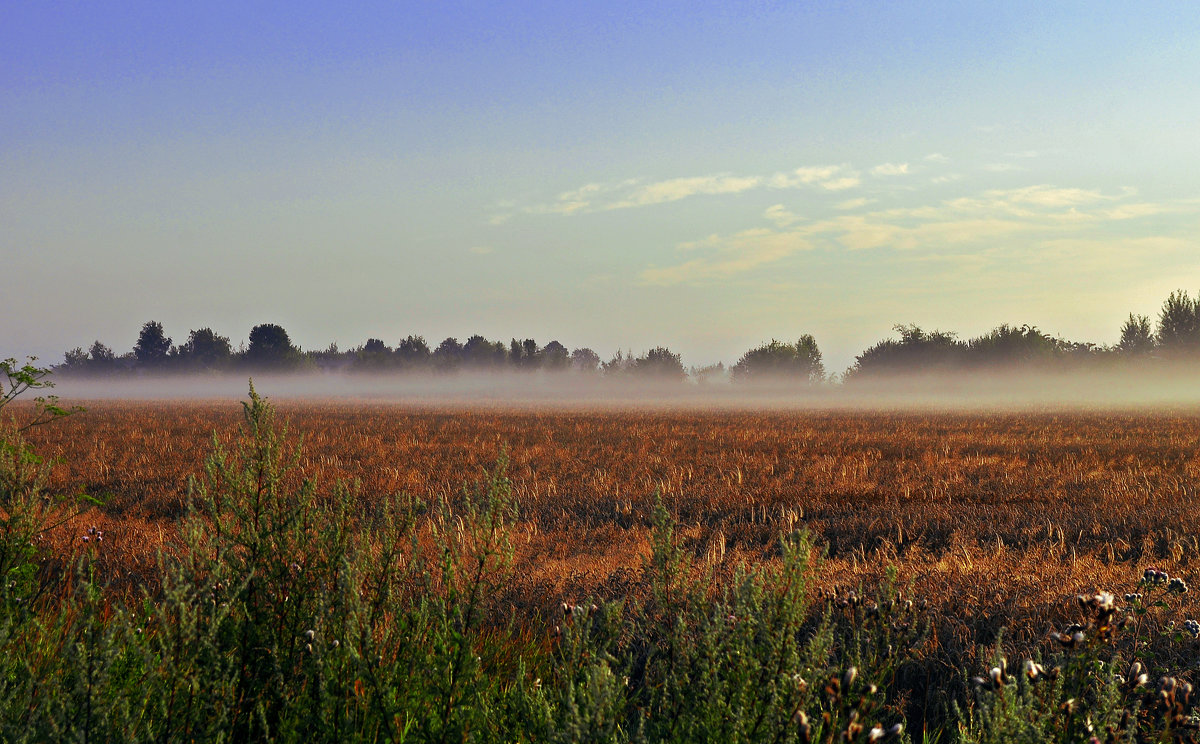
(996, 518)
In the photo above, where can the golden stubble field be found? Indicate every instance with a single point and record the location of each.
(996, 518)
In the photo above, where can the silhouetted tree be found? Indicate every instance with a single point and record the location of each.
(205, 349)
(659, 363)
(373, 356)
(619, 364)
(413, 353)
(152, 346)
(448, 355)
(1136, 337)
(515, 353)
(375, 346)
(1179, 324)
(480, 353)
(707, 374)
(917, 351)
(585, 360)
(75, 360)
(555, 356)
(776, 361)
(1008, 345)
(270, 347)
(530, 359)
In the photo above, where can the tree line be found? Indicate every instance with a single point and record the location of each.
(1174, 335)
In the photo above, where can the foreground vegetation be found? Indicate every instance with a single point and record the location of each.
(277, 607)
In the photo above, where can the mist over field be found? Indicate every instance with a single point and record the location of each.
(1149, 388)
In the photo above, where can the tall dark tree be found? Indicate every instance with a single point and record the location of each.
(916, 352)
(555, 356)
(205, 349)
(480, 353)
(152, 346)
(1179, 324)
(777, 362)
(75, 360)
(530, 358)
(270, 346)
(375, 346)
(1009, 345)
(1136, 337)
(448, 355)
(585, 360)
(659, 363)
(413, 353)
(374, 356)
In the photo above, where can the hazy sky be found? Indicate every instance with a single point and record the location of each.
(705, 176)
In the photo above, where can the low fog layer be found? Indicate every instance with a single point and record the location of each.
(1155, 387)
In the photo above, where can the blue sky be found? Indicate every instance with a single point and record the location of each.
(701, 175)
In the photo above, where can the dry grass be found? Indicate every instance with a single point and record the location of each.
(996, 519)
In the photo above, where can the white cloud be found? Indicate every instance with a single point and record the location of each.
(1001, 167)
(1045, 217)
(854, 203)
(681, 188)
(481, 250)
(829, 177)
(937, 157)
(1133, 211)
(1048, 196)
(780, 215)
(841, 184)
(890, 169)
(734, 255)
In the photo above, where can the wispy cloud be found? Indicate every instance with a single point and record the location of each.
(780, 215)
(681, 188)
(481, 250)
(890, 169)
(633, 193)
(732, 255)
(829, 177)
(1043, 214)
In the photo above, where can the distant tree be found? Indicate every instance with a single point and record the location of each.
(530, 359)
(373, 356)
(332, 358)
(480, 353)
(776, 361)
(1136, 337)
(99, 359)
(1179, 324)
(707, 374)
(270, 347)
(152, 346)
(75, 360)
(515, 352)
(659, 363)
(1007, 346)
(555, 356)
(585, 360)
(618, 365)
(100, 354)
(916, 352)
(413, 353)
(448, 355)
(205, 349)
(375, 346)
